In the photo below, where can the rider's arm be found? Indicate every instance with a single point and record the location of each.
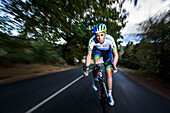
(114, 51)
(90, 48)
(115, 57)
(88, 58)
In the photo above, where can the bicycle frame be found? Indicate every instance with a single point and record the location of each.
(102, 89)
(102, 86)
(101, 80)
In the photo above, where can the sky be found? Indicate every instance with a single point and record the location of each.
(143, 11)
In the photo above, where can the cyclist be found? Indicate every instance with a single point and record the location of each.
(102, 45)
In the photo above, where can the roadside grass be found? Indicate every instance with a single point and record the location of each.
(37, 71)
(5, 76)
(21, 70)
(147, 74)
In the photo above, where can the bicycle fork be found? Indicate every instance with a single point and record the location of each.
(102, 86)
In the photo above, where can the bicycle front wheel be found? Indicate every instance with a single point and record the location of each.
(103, 98)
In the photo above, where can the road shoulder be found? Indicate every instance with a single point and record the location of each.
(154, 84)
(16, 73)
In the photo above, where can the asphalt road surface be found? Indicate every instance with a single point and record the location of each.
(69, 92)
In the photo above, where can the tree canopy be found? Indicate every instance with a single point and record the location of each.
(72, 20)
(153, 51)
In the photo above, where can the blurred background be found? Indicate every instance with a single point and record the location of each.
(58, 31)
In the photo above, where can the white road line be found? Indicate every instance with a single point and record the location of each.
(52, 96)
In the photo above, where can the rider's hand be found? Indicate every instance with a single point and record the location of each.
(85, 70)
(86, 73)
(114, 70)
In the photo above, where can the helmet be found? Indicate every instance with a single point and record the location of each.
(99, 28)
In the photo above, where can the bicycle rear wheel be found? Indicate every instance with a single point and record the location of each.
(103, 98)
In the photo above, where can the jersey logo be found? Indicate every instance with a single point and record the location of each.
(105, 45)
(108, 38)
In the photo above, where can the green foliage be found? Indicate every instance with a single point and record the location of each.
(42, 52)
(130, 58)
(13, 49)
(50, 20)
(153, 51)
(18, 50)
(156, 32)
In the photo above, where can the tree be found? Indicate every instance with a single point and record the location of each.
(13, 49)
(153, 51)
(72, 20)
(129, 57)
(156, 33)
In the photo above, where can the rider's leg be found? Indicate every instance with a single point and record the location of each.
(96, 61)
(109, 57)
(95, 80)
(109, 84)
(109, 78)
(97, 56)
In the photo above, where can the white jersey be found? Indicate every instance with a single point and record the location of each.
(108, 42)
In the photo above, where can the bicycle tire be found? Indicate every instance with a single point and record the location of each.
(103, 98)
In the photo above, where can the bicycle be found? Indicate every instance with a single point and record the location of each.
(102, 85)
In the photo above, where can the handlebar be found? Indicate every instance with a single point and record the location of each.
(100, 64)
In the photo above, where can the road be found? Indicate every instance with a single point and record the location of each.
(68, 92)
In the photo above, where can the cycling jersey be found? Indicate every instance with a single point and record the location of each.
(108, 42)
(102, 49)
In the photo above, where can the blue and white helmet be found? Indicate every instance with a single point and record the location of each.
(100, 28)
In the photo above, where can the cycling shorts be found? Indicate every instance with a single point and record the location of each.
(106, 54)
